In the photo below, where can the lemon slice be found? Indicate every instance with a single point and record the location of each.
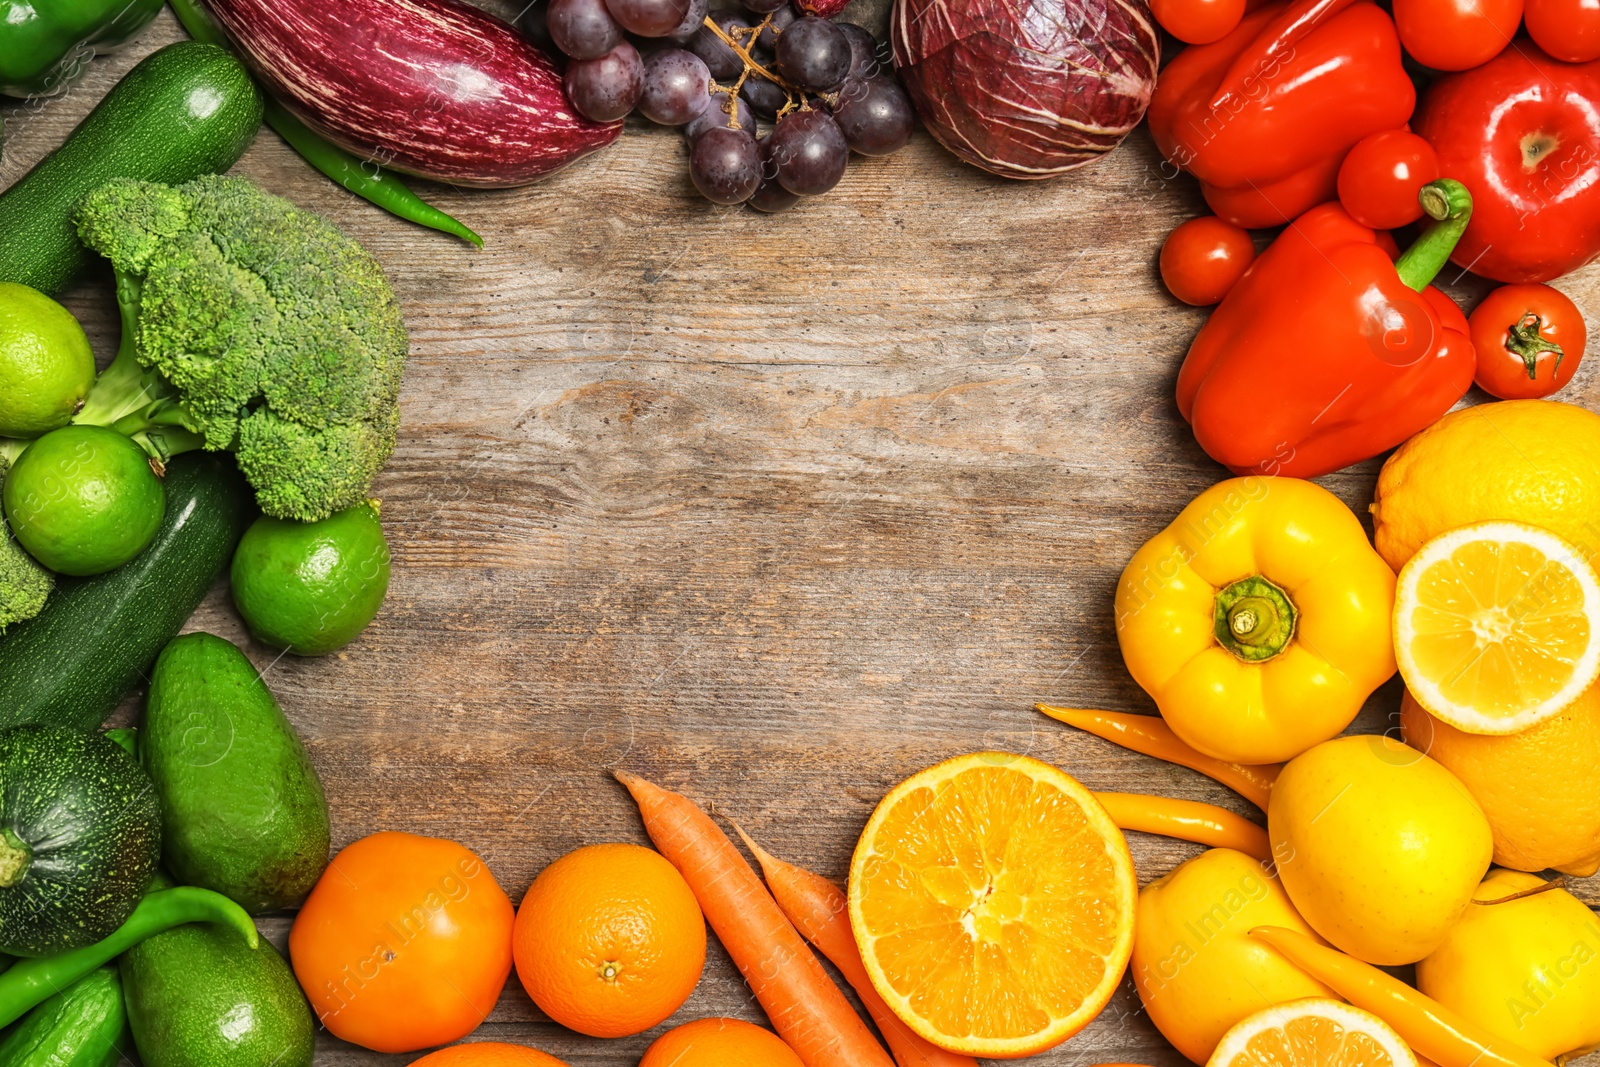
(1495, 626)
(993, 899)
(1315, 1032)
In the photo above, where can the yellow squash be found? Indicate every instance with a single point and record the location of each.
(1259, 621)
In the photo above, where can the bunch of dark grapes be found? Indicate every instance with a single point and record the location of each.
(772, 100)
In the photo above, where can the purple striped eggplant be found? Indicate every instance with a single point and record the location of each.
(434, 88)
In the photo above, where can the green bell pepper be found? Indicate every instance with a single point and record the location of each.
(46, 45)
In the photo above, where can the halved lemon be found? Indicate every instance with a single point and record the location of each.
(1315, 1032)
(1497, 626)
(992, 899)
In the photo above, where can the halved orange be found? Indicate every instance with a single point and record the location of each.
(1315, 1032)
(1497, 626)
(992, 899)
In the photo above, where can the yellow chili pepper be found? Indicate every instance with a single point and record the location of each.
(1187, 820)
(1149, 735)
(1431, 1029)
(1259, 620)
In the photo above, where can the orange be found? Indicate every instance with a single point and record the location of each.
(609, 940)
(993, 901)
(404, 943)
(719, 1043)
(1536, 787)
(488, 1054)
(1315, 1032)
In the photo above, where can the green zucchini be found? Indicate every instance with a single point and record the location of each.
(98, 637)
(80, 837)
(186, 110)
(84, 1025)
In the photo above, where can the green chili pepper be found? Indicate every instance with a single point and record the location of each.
(30, 982)
(46, 47)
(365, 179)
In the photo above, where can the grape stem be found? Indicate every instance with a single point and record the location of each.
(751, 66)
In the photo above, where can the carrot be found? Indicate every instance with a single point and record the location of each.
(1188, 820)
(804, 1005)
(819, 909)
(1430, 1028)
(1149, 735)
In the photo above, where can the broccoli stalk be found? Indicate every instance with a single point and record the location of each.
(251, 326)
(133, 400)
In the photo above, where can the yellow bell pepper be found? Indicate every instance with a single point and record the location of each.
(1259, 621)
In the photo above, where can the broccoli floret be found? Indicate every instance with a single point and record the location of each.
(24, 584)
(248, 325)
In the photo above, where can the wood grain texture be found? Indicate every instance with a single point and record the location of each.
(775, 511)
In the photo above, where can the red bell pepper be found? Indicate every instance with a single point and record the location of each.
(1328, 351)
(1522, 132)
(1264, 116)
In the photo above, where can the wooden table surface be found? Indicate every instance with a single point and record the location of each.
(773, 510)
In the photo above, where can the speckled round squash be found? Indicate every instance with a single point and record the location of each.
(80, 836)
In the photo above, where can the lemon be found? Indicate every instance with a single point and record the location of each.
(1315, 1032)
(46, 367)
(1537, 787)
(1532, 461)
(1495, 626)
(1527, 969)
(1197, 969)
(1379, 847)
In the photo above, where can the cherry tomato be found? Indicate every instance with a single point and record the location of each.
(404, 944)
(1456, 34)
(1529, 339)
(1198, 21)
(1203, 258)
(1568, 30)
(1380, 178)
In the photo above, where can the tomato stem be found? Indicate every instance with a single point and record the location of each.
(1523, 339)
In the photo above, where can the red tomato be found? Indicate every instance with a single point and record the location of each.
(1198, 21)
(1456, 34)
(1568, 30)
(404, 944)
(1522, 133)
(1529, 340)
(1379, 179)
(1202, 258)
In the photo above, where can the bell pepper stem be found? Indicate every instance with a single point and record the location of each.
(1448, 203)
(1254, 620)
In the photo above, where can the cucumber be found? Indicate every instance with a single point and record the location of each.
(186, 110)
(98, 637)
(84, 1025)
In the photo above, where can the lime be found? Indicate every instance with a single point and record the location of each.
(83, 499)
(311, 587)
(46, 367)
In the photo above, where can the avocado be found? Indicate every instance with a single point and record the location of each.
(243, 812)
(198, 996)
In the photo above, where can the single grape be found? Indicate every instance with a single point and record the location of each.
(814, 54)
(716, 114)
(875, 116)
(764, 7)
(583, 29)
(693, 22)
(723, 62)
(725, 165)
(676, 84)
(781, 20)
(809, 152)
(770, 196)
(649, 18)
(766, 98)
(606, 89)
(864, 61)
(535, 26)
